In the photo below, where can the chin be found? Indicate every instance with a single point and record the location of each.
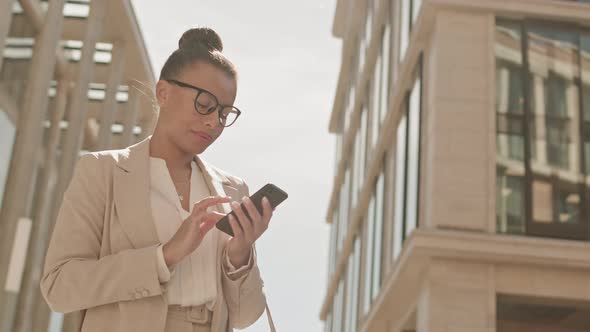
(192, 148)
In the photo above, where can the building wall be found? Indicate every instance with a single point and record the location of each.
(450, 47)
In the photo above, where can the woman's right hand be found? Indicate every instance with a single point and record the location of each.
(193, 229)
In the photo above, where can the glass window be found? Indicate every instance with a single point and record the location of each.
(369, 256)
(404, 28)
(585, 46)
(357, 275)
(510, 202)
(355, 174)
(385, 73)
(338, 150)
(344, 209)
(541, 125)
(400, 185)
(354, 261)
(337, 312)
(333, 243)
(540, 314)
(377, 247)
(7, 135)
(362, 147)
(416, 4)
(376, 100)
(413, 160)
(368, 23)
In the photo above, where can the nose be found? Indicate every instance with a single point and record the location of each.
(211, 119)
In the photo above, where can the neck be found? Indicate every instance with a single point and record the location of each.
(162, 147)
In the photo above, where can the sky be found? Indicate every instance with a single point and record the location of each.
(288, 64)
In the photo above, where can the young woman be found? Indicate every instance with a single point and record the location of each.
(134, 246)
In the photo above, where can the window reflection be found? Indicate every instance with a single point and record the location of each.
(546, 173)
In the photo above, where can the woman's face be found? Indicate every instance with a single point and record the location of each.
(191, 131)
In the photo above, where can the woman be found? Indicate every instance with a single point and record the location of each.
(134, 246)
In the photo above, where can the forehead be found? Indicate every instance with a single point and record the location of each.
(212, 79)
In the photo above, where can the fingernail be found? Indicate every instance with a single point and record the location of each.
(235, 204)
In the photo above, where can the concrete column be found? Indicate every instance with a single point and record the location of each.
(457, 296)
(77, 120)
(459, 177)
(110, 102)
(130, 118)
(79, 100)
(5, 20)
(40, 235)
(23, 163)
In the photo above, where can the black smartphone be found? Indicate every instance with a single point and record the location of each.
(275, 197)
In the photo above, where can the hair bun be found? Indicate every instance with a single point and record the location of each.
(200, 37)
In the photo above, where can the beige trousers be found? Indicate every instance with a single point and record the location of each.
(188, 319)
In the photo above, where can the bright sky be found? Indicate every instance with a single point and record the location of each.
(288, 65)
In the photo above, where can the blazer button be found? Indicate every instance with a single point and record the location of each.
(145, 292)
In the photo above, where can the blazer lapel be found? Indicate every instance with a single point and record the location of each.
(132, 193)
(131, 189)
(215, 182)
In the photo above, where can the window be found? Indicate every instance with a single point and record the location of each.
(7, 136)
(407, 166)
(400, 186)
(413, 158)
(353, 288)
(385, 72)
(542, 129)
(337, 311)
(333, 243)
(404, 28)
(378, 234)
(369, 257)
(360, 155)
(355, 174)
(376, 101)
(338, 152)
(344, 209)
(509, 130)
(409, 13)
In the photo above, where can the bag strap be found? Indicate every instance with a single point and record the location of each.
(269, 317)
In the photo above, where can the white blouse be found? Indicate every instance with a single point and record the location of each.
(193, 280)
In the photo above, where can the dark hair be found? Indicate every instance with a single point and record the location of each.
(197, 44)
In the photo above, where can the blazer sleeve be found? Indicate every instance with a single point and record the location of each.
(75, 277)
(244, 295)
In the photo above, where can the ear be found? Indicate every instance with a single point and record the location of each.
(162, 92)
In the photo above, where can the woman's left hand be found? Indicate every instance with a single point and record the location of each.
(246, 230)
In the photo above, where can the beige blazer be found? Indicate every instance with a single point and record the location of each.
(101, 259)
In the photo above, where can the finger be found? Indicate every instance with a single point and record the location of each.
(206, 226)
(242, 220)
(235, 227)
(252, 210)
(212, 216)
(266, 210)
(202, 205)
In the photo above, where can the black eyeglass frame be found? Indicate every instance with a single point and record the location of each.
(219, 107)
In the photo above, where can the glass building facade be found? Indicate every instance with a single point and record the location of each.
(463, 152)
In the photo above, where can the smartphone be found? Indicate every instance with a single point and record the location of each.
(275, 197)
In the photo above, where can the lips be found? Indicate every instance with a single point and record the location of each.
(203, 135)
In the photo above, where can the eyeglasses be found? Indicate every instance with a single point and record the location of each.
(207, 103)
